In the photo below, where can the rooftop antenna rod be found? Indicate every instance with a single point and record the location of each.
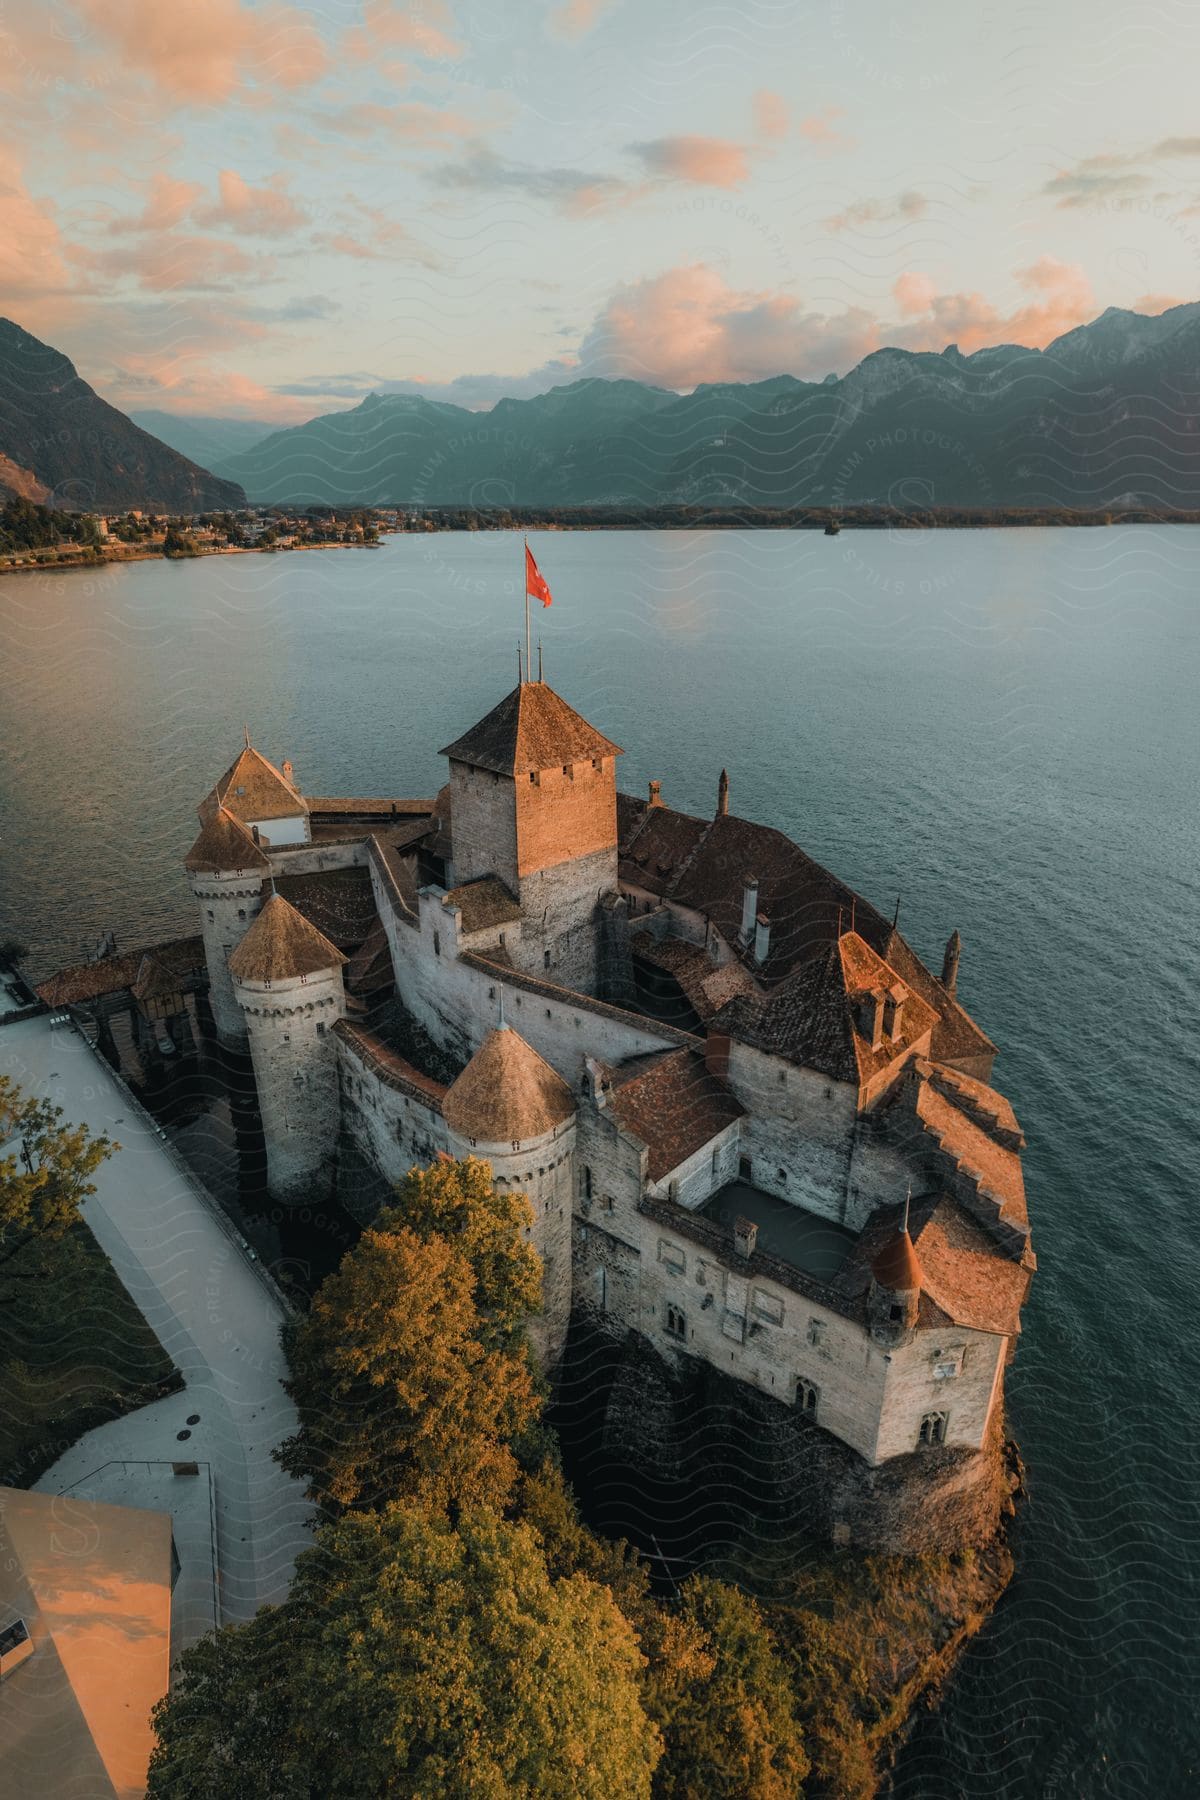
(528, 649)
(246, 735)
(896, 914)
(539, 660)
(520, 677)
(853, 910)
(907, 1204)
(501, 992)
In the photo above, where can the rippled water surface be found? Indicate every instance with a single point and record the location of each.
(1000, 727)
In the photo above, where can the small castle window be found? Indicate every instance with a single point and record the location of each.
(716, 1161)
(241, 912)
(807, 1397)
(895, 1312)
(783, 1177)
(816, 1332)
(676, 1325)
(745, 1169)
(320, 1028)
(533, 775)
(597, 763)
(437, 943)
(566, 769)
(587, 1181)
(545, 959)
(549, 1014)
(210, 918)
(933, 1429)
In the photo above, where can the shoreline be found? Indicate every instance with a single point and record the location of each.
(77, 565)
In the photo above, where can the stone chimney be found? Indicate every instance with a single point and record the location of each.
(288, 773)
(870, 1015)
(893, 1011)
(745, 1236)
(723, 795)
(656, 793)
(950, 964)
(749, 907)
(762, 938)
(716, 1054)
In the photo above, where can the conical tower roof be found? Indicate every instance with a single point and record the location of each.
(898, 1267)
(224, 844)
(507, 1093)
(253, 788)
(532, 728)
(281, 944)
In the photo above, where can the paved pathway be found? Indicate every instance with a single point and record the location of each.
(212, 1310)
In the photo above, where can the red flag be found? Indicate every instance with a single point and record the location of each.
(535, 582)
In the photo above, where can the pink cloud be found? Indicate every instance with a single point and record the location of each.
(706, 161)
(167, 203)
(820, 128)
(772, 115)
(160, 265)
(32, 262)
(1061, 298)
(1157, 303)
(575, 18)
(265, 211)
(424, 30)
(202, 50)
(898, 211)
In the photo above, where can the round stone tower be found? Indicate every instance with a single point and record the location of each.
(287, 981)
(513, 1109)
(227, 869)
(894, 1297)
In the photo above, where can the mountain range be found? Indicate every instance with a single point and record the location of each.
(1106, 415)
(62, 445)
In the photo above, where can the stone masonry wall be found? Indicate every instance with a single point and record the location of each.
(484, 822)
(295, 1073)
(228, 906)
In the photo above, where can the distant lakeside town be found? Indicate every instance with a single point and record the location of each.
(41, 537)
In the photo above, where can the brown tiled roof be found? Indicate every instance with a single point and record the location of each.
(862, 971)
(702, 864)
(532, 728)
(281, 944)
(705, 988)
(674, 1105)
(371, 809)
(253, 788)
(507, 1093)
(806, 1020)
(993, 1168)
(224, 844)
(966, 1276)
(181, 957)
(339, 902)
(483, 903)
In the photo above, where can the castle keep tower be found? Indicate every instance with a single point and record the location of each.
(511, 1108)
(253, 806)
(287, 981)
(534, 803)
(227, 869)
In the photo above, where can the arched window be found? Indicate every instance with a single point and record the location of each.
(807, 1396)
(676, 1326)
(933, 1429)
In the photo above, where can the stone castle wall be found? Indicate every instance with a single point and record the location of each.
(295, 1061)
(229, 905)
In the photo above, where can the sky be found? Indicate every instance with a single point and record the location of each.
(268, 211)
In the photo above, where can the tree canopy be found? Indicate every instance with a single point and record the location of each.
(45, 1176)
(415, 1658)
(410, 1373)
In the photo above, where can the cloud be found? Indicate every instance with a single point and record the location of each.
(575, 18)
(423, 30)
(167, 204)
(820, 128)
(32, 264)
(772, 115)
(574, 190)
(1095, 178)
(413, 122)
(173, 261)
(266, 211)
(705, 161)
(1061, 298)
(1153, 304)
(898, 210)
(203, 50)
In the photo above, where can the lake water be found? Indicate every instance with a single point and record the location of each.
(999, 727)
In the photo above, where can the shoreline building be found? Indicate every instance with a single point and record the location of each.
(755, 1129)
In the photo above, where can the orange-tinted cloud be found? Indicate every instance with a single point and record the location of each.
(706, 161)
(424, 30)
(820, 128)
(1157, 303)
(897, 211)
(575, 18)
(32, 264)
(1061, 298)
(168, 202)
(265, 211)
(160, 265)
(772, 115)
(202, 50)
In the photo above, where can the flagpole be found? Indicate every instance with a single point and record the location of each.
(528, 663)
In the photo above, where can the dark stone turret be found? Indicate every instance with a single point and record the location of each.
(950, 964)
(723, 795)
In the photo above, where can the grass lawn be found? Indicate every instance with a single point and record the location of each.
(74, 1352)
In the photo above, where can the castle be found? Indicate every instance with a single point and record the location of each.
(753, 1127)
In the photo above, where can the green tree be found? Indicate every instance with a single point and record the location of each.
(415, 1658)
(178, 543)
(45, 1176)
(719, 1692)
(400, 1386)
